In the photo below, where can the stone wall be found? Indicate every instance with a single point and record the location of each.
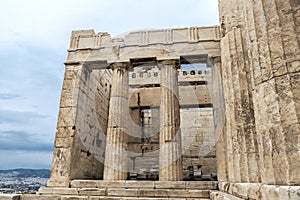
(198, 140)
(260, 72)
(81, 127)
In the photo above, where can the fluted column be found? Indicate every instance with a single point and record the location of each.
(170, 165)
(115, 154)
(219, 120)
(260, 66)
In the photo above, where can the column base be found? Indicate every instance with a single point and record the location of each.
(260, 191)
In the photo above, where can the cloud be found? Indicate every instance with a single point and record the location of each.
(8, 96)
(19, 140)
(25, 159)
(17, 117)
(20, 127)
(35, 75)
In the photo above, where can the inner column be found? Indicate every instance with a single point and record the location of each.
(115, 167)
(170, 165)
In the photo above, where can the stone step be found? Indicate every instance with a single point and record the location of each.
(99, 189)
(141, 198)
(131, 192)
(190, 185)
(146, 198)
(51, 197)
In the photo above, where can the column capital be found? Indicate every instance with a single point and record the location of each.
(120, 65)
(173, 62)
(216, 59)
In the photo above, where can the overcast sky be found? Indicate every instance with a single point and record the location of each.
(34, 38)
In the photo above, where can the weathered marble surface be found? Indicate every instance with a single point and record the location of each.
(260, 57)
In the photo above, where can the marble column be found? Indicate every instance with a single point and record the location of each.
(170, 164)
(115, 167)
(219, 119)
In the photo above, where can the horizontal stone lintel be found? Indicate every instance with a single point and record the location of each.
(103, 60)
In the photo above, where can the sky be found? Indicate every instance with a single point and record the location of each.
(34, 38)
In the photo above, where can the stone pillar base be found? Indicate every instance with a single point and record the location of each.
(259, 191)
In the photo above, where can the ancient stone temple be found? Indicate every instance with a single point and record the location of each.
(137, 112)
(183, 113)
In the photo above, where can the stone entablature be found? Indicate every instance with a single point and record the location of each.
(100, 49)
(88, 39)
